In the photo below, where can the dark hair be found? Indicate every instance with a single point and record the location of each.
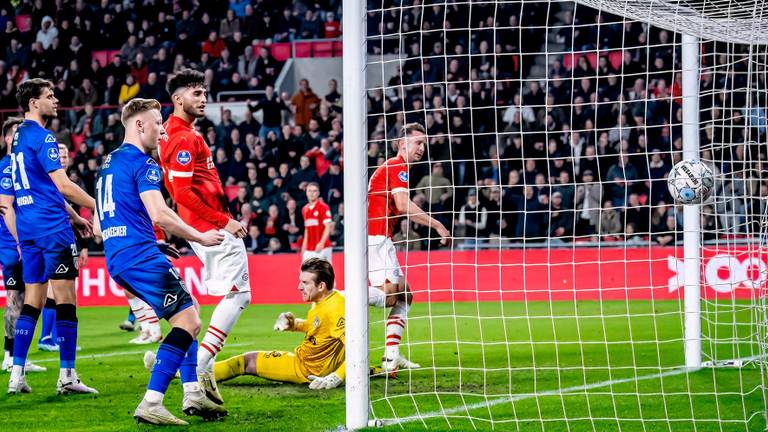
(10, 123)
(315, 184)
(185, 78)
(31, 89)
(410, 128)
(322, 270)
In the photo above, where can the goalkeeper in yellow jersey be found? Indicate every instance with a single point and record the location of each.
(319, 360)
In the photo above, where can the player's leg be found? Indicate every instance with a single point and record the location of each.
(282, 366)
(130, 321)
(61, 254)
(36, 287)
(47, 340)
(14, 289)
(226, 267)
(149, 323)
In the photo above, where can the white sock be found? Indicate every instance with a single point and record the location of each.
(17, 372)
(142, 311)
(67, 374)
(395, 327)
(191, 387)
(376, 297)
(224, 317)
(153, 396)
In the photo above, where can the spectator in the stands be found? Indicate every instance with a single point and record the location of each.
(271, 108)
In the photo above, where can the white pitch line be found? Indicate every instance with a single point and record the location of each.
(116, 354)
(557, 392)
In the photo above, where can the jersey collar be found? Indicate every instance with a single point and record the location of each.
(178, 121)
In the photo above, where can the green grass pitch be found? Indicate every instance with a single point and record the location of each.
(530, 373)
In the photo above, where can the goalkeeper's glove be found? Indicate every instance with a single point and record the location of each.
(327, 382)
(285, 321)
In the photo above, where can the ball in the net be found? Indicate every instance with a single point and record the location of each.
(690, 182)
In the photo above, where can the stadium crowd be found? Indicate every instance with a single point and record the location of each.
(570, 145)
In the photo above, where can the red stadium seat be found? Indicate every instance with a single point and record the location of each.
(302, 49)
(281, 51)
(338, 48)
(615, 58)
(231, 191)
(101, 56)
(322, 49)
(24, 23)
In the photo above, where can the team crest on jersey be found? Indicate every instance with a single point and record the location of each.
(183, 157)
(53, 154)
(50, 139)
(6, 183)
(316, 322)
(153, 175)
(403, 176)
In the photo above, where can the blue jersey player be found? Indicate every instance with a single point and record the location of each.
(46, 238)
(129, 202)
(9, 253)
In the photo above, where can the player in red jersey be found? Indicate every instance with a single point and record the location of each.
(317, 226)
(193, 182)
(388, 198)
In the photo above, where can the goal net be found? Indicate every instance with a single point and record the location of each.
(552, 125)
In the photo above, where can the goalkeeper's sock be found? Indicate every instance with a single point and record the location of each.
(395, 326)
(229, 368)
(49, 321)
(224, 317)
(169, 357)
(188, 370)
(25, 330)
(66, 328)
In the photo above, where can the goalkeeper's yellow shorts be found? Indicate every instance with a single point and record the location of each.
(280, 366)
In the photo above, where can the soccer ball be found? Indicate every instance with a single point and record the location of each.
(690, 181)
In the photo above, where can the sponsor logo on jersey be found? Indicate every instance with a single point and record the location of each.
(403, 176)
(169, 300)
(7, 170)
(10, 282)
(50, 139)
(61, 269)
(6, 183)
(153, 175)
(340, 323)
(53, 154)
(183, 157)
(151, 162)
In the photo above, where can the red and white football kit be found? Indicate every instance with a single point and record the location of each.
(388, 179)
(316, 218)
(193, 182)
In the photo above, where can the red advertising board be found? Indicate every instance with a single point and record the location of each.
(555, 274)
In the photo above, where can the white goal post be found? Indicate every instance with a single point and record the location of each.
(661, 321)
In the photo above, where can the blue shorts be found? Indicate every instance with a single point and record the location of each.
(51, 257)
(157, 283)
(13, 279)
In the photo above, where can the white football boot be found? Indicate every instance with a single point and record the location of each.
(156, 413)
(69, 383)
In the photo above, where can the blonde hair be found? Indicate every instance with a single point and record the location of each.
(138, 106)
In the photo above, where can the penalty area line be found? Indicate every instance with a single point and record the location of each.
(117, 354)
(557, 392)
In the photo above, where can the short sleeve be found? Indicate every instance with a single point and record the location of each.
(181, 161)
(48, 153)
(149, 176)
(327, 217)
(6, 182)
(398, 178)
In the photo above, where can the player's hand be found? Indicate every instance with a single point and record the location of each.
(235, 228)
(211, 238)
(82, 259)
(83, 226)
(168, 250)
(285, 321)
(319, 248)
(323, 383)
(445, 235)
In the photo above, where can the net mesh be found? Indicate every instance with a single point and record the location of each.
(551, 127)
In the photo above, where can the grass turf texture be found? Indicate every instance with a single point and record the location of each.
(467, 372)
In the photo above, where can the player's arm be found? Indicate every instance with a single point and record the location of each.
(70, 190)
(165, 218)
(328, 223)
(286, 321)
(182, 174)
(407, 207)
(9, 214)
(84, 227)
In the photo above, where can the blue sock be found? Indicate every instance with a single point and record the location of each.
(131, 316)
(188, 368)
(169, 357)
(49, 321)
(25, 332)
(66, 328)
